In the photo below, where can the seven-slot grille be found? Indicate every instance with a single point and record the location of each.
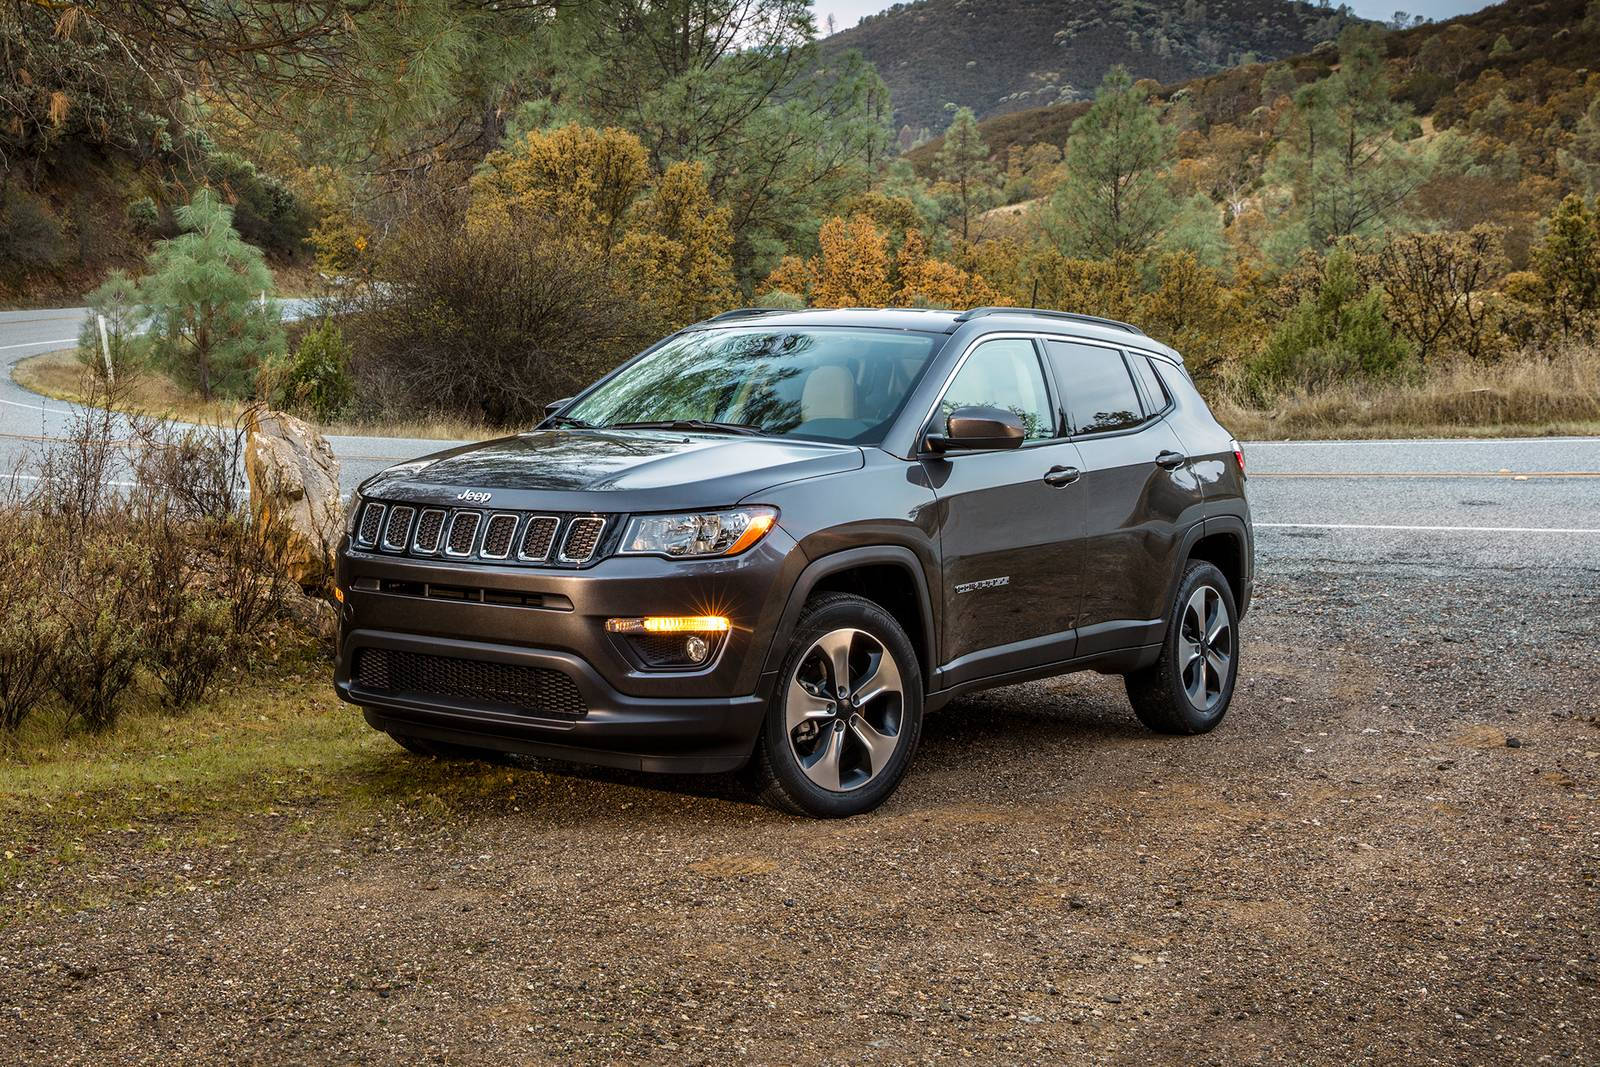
(467, 533)
(538, 690)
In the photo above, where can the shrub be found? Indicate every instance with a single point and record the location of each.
(117, 301)
(316, 381)
(30, 237)
(27, 620)
(144, 217)
(492, 324)
(1336, 334)
(99, 639)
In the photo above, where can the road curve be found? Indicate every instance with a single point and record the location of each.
(1446, 505)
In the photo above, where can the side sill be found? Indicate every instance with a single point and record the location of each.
(1120, 661)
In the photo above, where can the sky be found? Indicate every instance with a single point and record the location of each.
(847, 13)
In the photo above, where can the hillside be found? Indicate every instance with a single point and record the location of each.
(998, 56)
(1529, 54)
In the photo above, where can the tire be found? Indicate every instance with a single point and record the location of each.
(419, 746)
(831, 757)
(1187, 690)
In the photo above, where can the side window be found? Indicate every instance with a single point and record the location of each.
(1154, 392)
(1003, 374)
(1095, 387)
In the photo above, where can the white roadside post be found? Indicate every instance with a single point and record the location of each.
(105, 351)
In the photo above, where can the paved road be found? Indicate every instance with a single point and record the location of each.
(1454, 505)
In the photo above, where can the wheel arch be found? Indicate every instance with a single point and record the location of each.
(890, 576)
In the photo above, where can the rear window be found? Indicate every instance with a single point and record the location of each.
(1154, 391)
(1097, 392)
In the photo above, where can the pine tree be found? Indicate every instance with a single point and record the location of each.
(964, 172)
(211, 322)
(1116, 197)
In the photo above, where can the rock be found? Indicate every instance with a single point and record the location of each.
(1513, 742)
(294, 481)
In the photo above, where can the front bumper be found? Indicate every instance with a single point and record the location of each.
(700, 720)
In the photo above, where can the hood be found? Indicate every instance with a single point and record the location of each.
(610, 470)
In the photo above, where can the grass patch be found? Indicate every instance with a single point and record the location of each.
(1525, 396)
(61, 376)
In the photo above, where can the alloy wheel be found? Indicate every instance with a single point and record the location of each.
(1205, 648)
(844, 708)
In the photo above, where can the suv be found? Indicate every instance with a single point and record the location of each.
(776, 539)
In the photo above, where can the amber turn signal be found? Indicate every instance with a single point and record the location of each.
(669, 624)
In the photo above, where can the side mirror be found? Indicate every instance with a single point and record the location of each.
(555, 406)
(976, 429)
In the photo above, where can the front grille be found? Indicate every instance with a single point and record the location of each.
(429, 527)
(371, 524)
(463, 530)
(537, 538)
(398, 527)
(497, 536)
(583, 535)
(511, 537)
(538, 690)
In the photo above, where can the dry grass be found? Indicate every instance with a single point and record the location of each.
(61, 376)
(1525, 395)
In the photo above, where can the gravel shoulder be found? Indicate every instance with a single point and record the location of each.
(1390, 852)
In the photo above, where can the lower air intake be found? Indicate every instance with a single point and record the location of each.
(537, 690)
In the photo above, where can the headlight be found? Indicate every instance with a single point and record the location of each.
(352, 512)
(698, 534)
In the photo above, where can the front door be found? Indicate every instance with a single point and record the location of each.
(1012, 523)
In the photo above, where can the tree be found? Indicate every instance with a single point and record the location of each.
(678, 249)
(1346, 170)
(1581, 157)
(206, 297)
(1115, 199)
(1436, 284)
(963, 170)
(1567, 263)
(928, 282)
(853, 269)
(737, 86)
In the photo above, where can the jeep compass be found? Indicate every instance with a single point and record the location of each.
(775, 540)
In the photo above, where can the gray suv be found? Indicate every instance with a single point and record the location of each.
(775, 540)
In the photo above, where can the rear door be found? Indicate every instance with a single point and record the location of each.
(1011, 523)
(1136, 491)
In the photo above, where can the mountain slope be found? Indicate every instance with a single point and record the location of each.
(997, 56)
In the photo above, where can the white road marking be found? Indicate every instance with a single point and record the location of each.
(1428, 441)
(37, 478)
(1422, 529)
(32, 344)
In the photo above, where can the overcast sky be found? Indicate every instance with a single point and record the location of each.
(848, 12)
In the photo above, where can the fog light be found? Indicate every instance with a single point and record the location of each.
(697, 648)
(669, 624)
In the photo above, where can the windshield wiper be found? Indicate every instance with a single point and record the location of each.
(703, 425)
(568, 420)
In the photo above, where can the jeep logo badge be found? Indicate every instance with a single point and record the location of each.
(472, 496)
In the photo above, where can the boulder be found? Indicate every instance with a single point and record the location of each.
(294, 483)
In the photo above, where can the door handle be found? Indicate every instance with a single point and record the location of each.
(1169, 460)
(1059, 476)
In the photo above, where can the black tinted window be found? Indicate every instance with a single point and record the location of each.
(1095, 386)
(1154, 392)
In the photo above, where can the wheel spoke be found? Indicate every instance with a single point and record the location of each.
(835, 648)
(1194, 683)
(1219, 666)
(880, 746)
(1188, 651)
(802, 704)
(824, 766)
(884, 678)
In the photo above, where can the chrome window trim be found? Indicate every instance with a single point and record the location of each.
(555, 538)
(516, 528)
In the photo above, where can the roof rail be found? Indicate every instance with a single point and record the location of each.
(745, 313)
(1071, 316)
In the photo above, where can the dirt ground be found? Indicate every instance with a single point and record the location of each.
(1388, 853)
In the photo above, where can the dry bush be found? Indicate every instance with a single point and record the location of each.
(488, 325)
(102, 619)
(27, 617)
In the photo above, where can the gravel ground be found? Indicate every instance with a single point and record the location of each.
(1388, 853)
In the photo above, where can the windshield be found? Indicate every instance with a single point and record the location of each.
(823, 383)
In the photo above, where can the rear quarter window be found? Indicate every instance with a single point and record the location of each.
(1155, 393)
(1095, 387)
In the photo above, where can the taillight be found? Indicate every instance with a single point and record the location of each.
(1238, 456)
